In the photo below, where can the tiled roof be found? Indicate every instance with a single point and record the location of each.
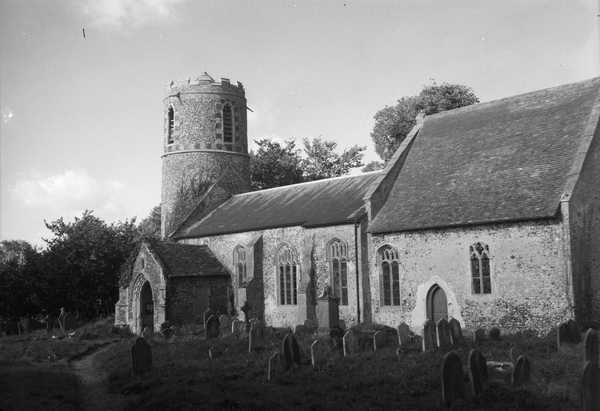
(323, 202)
(505, 160)
(184, 260)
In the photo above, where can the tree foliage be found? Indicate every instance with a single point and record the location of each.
(275, 164)
(150, 226)
(393, 123)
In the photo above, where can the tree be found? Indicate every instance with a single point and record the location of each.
(393, 123)
(21, 285)
(322, 161)
(274, 164)
(150, 226)
(373, 166)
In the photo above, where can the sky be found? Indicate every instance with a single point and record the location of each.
(82, 117)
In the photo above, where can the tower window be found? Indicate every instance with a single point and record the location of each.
(390, 275)
(227, 124)
(338, 268)
(480, 268)
(170, 124)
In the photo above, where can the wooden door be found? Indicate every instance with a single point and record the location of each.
(437, 304)
(147, 307)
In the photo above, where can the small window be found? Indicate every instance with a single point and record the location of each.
(143, 262)
(239, 262)
(338, 269)
(287, 271)
(390, 275)
(480, 269)
(170, 124)
(227, 124)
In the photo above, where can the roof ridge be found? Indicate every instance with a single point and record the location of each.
(514, 96)
(322, 180)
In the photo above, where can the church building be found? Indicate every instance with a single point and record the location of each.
(489, 214)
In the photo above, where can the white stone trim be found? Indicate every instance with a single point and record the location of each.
(419, 314)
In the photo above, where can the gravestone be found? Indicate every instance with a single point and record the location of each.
(443, 333)
(590, 384)
(348, 343)
(521, 371)
(477, 369)
(290, 351)
(336, 335)
(478, 336)
(456, 335)
(328, 313)
(212, 327)
(378, 338)
(141, 357)
(568, 333)
(238, 328)
(403, 335)
(590, 347)
(453, 386)
(313, 354)
(429, 336)
(205, 316)
(271, 364)
(224, 324)
(255, 335)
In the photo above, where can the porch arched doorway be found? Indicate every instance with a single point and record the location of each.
(437, 304)
(146, 307)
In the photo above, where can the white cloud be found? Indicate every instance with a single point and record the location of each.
(127, 13)
(69, 193)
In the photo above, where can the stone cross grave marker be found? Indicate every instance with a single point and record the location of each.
(477, 369)
(212, 327)
(313, 354)
(590, 347)
(271, 364)
(521, 371)
(453, 386)
(224, 324)
(456, 336)
(443, 333)
(403, 335)
(590, 382)
(478, 336)
(429, 336)
(141, 357)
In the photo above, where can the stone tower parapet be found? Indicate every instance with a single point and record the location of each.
(205, 136)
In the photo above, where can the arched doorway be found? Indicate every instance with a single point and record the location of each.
(146, 307)
(437, 304)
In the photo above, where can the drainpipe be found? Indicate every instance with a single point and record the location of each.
(356, 270)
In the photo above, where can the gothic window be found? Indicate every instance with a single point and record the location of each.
(338, 269)
(239, 262)
(390, 275)
(480, 268)
(227, 125)
(170, 124)
(287, 273)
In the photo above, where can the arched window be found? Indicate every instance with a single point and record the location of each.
(287, 273)
(227, 126)
(170, 124)
(239, 262)
(480, 268)
(338, 269)
(390, 275)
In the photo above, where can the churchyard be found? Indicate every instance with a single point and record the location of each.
(224, 366)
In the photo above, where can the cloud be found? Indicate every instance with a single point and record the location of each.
(69, 193)
(127, 13)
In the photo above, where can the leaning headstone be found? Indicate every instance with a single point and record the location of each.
(403, 335)
(443, 333)
(429, 336)
(453, 386)
(590, 347)
(477, 369)
(313, 354)
(212, 327)
(456, 336)
(224, 324)
(271, 364)
(590, 382)
(521, 371)
(141, 357)
(478, 336)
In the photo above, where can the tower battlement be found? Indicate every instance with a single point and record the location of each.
(204, 84)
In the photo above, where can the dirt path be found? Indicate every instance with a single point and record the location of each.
(94, 384)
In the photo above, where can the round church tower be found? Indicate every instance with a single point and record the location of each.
(205, 140)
